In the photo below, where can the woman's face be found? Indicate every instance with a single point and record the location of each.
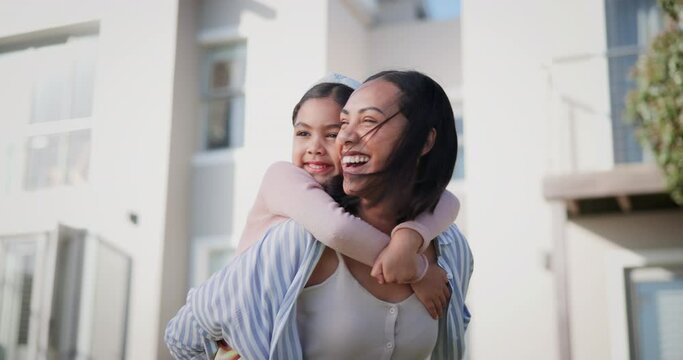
(370, 105)
(315, 129)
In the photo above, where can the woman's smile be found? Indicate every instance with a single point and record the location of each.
(353, 163)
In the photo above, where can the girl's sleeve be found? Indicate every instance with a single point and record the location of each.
(430, 225)
(292, 192)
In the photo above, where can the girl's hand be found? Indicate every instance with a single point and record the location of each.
(433, 291)
(225, 352)
(399, 262)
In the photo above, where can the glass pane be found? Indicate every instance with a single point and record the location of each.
(225, 69)
(51, 89)
(112, 288)
(58, 159)
(220, 75)
(218, 125)
(223, 83)
(43, 165)
(630, 23)
(236, 121)
(656, 312)
(78, 157)
(459, 171)
(18, 262)
(64, 80)
(219, 258)
(627, 148)
(83, 82)
(66, 297)
(84, 64)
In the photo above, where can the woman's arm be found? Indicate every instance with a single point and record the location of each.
(184, 337)
(291, 192)
(241, 302)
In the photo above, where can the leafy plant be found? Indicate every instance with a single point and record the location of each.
(655, 105)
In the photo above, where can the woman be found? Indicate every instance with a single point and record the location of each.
(398, 144)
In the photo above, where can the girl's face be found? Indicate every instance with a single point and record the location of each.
(315, 129)
(370, 105)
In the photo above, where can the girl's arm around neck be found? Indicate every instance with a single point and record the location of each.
(430, 225)
(291, 192)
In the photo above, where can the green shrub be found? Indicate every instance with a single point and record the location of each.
(655, 105)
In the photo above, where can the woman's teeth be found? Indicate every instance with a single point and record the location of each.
(355, 159)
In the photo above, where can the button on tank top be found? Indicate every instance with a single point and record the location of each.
(340, 319)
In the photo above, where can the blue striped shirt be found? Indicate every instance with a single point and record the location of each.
(251, 302)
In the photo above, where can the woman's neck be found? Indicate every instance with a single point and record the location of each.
(381, 215)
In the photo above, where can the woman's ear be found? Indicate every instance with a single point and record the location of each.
(429, 144)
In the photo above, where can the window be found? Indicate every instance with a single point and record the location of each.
(57, 159)
(49, 91)
(655, 312)
(19, 273)
(223, 97)
(63, 295)
(459, 171)
(209, 255)
(631, 24)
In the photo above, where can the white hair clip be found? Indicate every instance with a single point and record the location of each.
(339, 79)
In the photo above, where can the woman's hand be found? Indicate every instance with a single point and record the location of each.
(433, 291)
(225, 352)
(399, 262)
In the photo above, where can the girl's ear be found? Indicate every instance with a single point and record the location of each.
(431, 138)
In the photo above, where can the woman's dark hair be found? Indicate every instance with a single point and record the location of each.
(421, 178)
(340, 93)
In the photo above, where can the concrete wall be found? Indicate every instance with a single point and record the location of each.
(536, 102)
(432, 47)
(348, 42)
(130, 145)
(598, 249)
(175, 269)
(512, 293)
(579, 129)
(286, 45)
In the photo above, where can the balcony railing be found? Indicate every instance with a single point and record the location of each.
(586, 128)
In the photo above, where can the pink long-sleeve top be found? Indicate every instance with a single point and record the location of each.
(290, 192)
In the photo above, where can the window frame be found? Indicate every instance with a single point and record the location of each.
(235, 47)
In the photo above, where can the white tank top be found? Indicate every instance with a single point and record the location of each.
(340, 319)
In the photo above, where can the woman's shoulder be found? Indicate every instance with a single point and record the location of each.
(288, 228)
(287, 233)
(454, 245)
(452, 236)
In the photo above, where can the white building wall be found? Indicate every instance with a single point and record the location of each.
(348, 43)
(286, 46)
(130, 144)
(512, 294)
(580, 131)
(536, 100)
(432, 47)
(598, 249)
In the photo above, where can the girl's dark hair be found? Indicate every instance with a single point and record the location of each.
(420, 180)
(340, 93)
